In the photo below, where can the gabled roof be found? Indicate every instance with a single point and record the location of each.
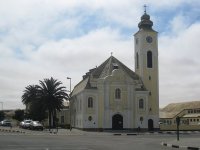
(173, 109)
(105, 69)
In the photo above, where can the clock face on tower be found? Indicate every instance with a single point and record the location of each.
(149, 39)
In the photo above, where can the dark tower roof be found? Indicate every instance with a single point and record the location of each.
(145, 22)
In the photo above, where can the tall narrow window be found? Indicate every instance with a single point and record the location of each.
(117, 94)
(90, 102)
(62, 120)
(149, 59)
(137, 61)
(141, 104)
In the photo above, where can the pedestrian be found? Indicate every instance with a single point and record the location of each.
(138, 129)
(70, 127)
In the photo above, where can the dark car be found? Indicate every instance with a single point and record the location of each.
(36, 125)
(6, 123)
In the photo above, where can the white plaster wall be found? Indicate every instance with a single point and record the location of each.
(88, 111)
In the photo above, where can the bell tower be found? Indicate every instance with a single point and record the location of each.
(146, 64)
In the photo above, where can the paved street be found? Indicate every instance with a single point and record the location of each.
(80, 140)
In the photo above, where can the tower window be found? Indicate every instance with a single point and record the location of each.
(141, 104)
(137, 61)
(117, 93)
(149, 59)
(90, 102)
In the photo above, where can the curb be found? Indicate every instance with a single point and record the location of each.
(11, 130)
(177, 146)
(117, 134)
(129, 134)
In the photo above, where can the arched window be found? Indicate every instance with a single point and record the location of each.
(149, 59)
(137, 61)
(117, 93)
(90, 102)
(141, 104)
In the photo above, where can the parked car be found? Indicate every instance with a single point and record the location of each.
(26, 124)
(6, 123)
(36, 125)
(21, 124)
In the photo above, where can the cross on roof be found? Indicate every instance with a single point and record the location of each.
(145, 8)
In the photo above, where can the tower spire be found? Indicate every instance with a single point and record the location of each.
(145, 22)
(145, 8)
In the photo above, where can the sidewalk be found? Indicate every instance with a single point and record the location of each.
(184, 143)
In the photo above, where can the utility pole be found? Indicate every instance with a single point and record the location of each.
(178, 123)
(70, 126)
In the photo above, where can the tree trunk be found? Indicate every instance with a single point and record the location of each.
(54, 118)
(49, 120)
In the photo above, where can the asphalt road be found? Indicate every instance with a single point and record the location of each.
(19, 141)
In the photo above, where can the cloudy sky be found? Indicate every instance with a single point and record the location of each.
(59, 38)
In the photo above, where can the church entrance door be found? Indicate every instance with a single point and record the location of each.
(117, 122)
(150, 125)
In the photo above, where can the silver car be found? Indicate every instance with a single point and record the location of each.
(26, 124)
(36, 125)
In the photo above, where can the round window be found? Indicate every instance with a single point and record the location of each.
(90, 118)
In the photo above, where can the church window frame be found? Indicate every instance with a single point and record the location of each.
(117, 93)
(115, 66)
(149, 59)
(137, 60)
(90, 102)
(141, 103)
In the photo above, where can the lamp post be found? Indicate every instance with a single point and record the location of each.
(69, 84)
(70, 126)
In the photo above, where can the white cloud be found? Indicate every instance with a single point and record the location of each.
(40, 39)
(67, 57)
(179, 63)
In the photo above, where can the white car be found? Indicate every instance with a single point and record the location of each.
(25, 124)
(36, 125)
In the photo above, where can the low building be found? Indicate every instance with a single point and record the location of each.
(189, 113)
(63, 116)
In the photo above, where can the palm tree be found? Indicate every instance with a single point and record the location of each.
(30, 95)
(51, 96)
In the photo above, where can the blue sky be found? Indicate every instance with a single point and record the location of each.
(42, 39)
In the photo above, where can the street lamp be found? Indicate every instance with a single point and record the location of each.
(69, 102)
(70, 84)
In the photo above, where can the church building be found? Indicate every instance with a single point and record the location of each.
(113, 97)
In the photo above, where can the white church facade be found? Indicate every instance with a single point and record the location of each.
(113, 97)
